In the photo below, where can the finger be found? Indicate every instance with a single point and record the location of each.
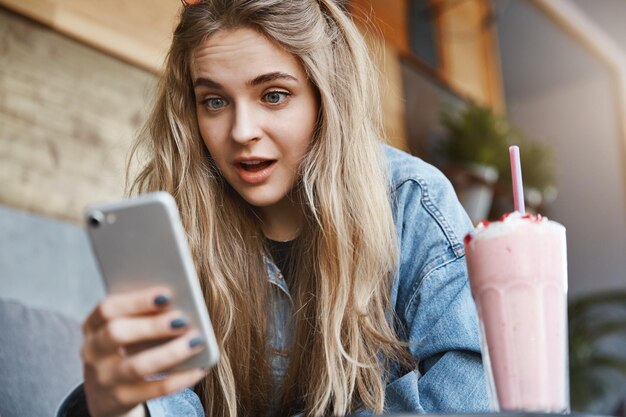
(132, 394)
(115, 369)
(161, 358)
(126, 331)
(144, 301)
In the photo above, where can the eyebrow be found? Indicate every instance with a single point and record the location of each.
(206, 82)
(271, 76)
(263, 78)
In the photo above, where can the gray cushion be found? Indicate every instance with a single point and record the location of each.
(47, 263)
(39, 359)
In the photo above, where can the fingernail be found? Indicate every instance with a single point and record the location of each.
(161, 300)
(196, 341)
(178, 323)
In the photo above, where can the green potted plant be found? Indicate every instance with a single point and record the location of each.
(594, 319)
(473, 149)
(475, 135)
(537, 160)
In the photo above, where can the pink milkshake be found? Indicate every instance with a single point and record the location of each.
(518, 274)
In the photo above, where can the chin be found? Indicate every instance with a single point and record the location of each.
(261, 200)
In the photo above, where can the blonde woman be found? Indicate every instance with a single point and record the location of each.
(332, 265)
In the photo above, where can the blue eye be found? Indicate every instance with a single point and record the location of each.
(214, 103)
(276, 97)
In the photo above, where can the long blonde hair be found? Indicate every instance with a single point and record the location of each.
(344, 336)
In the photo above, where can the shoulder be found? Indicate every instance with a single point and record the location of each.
(403, 167)
(421, 195)
(430, 221)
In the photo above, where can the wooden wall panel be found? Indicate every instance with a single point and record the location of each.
(471, 63)
(388, 17)
(68, 115)
(467, 43)
(391, 93)
(137, 31)
(467, 46)
(383, 24)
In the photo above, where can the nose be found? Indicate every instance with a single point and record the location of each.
(246, 127)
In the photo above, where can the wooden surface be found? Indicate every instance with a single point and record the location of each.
(68, 114)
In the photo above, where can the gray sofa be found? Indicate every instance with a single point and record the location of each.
(48, 284)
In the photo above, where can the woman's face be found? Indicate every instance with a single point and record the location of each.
(256, 111)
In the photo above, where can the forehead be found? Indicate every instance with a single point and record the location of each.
(241, 52)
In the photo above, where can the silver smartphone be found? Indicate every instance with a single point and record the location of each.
(140, 242)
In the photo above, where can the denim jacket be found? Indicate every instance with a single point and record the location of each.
(430, 296)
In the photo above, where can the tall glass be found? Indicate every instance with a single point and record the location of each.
(518, 275)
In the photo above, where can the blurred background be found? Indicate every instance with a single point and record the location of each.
(461, 80)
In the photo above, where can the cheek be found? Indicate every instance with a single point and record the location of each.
(212, 138)
(302, 127)
(215, 151)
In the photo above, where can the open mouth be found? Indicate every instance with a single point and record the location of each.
(255, 166)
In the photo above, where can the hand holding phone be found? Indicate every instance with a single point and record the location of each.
(118, 383)
(154, 320)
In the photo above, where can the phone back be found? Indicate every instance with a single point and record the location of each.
(140, 242)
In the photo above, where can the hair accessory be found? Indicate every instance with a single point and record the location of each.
(191, 2)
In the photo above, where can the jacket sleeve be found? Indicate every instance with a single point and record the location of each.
(444, 338)
(181, 404)
(434, 306)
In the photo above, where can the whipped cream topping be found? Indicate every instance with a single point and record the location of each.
(508, 223)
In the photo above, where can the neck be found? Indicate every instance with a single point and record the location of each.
(282, 222)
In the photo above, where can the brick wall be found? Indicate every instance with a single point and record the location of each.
(68, 115)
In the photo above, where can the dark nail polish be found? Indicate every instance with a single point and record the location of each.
(178, 323)
(196, 341)
(161, 300)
